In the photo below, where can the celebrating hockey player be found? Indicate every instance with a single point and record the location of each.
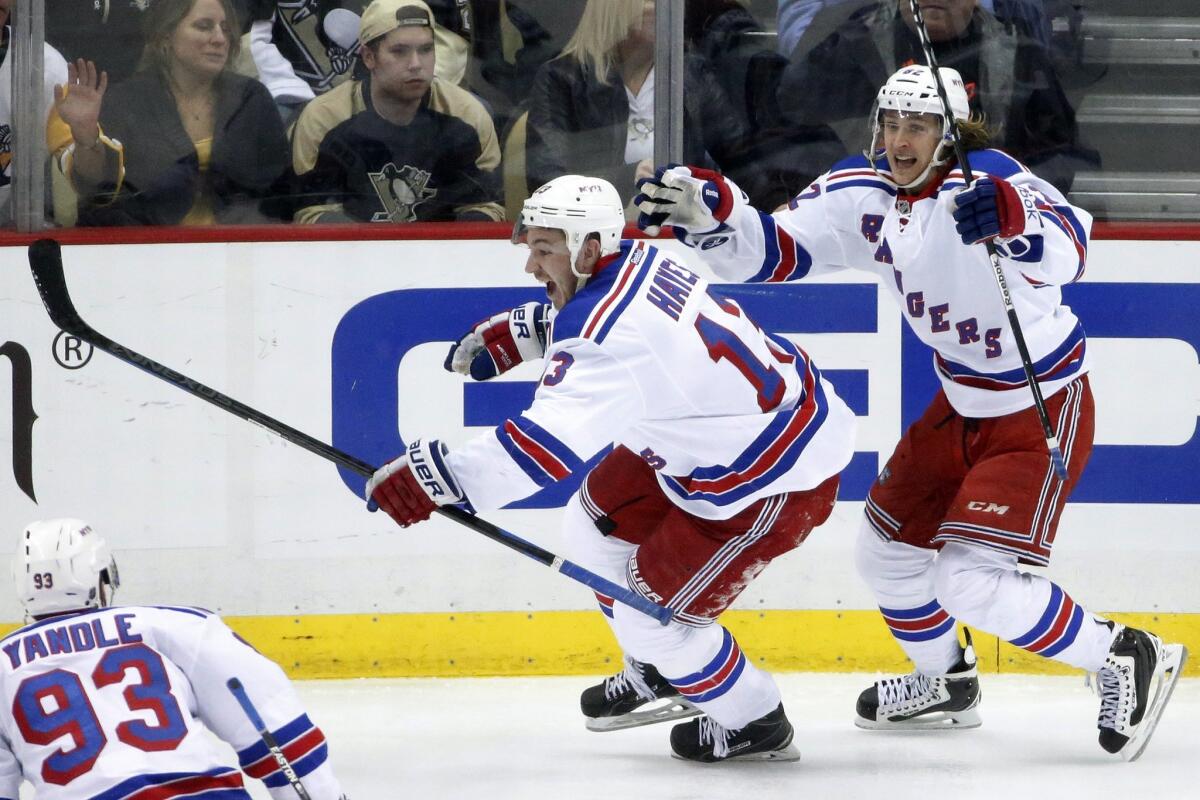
(969, 494)
(728, 444)
(113, 701)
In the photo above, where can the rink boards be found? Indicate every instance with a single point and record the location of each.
(344, 341)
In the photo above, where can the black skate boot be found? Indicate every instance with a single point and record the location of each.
(919, 702)
(1135, 684)
(767, 738)
(618, 701)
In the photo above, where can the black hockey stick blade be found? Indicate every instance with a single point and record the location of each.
(45, 260)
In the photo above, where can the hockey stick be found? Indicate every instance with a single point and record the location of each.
(45, 259)
(1060, 466)
(285, 766)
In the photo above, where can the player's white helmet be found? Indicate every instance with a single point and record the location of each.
(61, 565)
(578, 206)
(913, 90)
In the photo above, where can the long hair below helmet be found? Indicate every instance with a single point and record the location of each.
(61, 565)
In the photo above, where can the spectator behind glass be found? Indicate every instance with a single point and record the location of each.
(592, 108)
(795, 16)
(107, 32)
(509, 44)
(739, 54)
(302, 50)
(57, 134)
(400, 145)
(184, 141)
(1009, 77)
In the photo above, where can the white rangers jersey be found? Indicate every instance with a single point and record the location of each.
(853, 217)
(112, 704)
(648, 355)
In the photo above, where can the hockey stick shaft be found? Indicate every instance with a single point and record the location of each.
(45, 260)
(285, 766)
(1014, 323)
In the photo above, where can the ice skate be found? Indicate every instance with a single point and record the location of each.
(1135, 684)
(635, 696)
(921, 702)
(767, 738)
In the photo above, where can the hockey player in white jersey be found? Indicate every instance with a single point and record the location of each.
(111, 702)
(969, 494)
(728, 444)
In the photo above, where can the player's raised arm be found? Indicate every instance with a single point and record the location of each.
(708, 211)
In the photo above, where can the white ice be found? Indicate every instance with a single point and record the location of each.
(502, 738)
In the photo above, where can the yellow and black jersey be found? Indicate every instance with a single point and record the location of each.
(352, 164)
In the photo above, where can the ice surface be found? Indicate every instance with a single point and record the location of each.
(523, 738)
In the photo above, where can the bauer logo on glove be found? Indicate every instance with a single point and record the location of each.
(411, 487)
(499, 343)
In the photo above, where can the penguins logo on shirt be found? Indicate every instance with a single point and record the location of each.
(306, 32)
(400, 191)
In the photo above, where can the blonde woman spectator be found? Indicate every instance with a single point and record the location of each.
(592, 108)
(183, 141)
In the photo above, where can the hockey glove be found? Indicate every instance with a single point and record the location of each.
(694, 199)
(412, 486)
(992, 208)
(499, 343)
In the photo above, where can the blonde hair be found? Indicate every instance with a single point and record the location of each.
(603, 26)
(974, 133)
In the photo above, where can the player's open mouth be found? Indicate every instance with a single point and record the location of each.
(550, 287)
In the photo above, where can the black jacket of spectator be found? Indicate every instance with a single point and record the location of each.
(577, 125)
(1009, 78)
(785, 156)
(162, 170)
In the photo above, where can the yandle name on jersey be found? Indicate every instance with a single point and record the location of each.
(78, 637)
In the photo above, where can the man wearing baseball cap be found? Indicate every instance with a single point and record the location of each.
(400, 145)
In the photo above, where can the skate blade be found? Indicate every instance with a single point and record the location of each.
(676, 709)
(783, 755)
(941, 721)
(1171, 662)
(789, 753)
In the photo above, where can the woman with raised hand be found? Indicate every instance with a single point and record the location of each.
(184, 141)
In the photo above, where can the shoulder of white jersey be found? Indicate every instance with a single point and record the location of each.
(995, 163)
(852, 172)
(194, 611)
(595, 309)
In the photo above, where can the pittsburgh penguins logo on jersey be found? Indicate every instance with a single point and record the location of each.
(319, 38)
(400, 191)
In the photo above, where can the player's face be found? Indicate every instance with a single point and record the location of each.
(910, 141)
(401, 64)
(550, 262)
(200, 42)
